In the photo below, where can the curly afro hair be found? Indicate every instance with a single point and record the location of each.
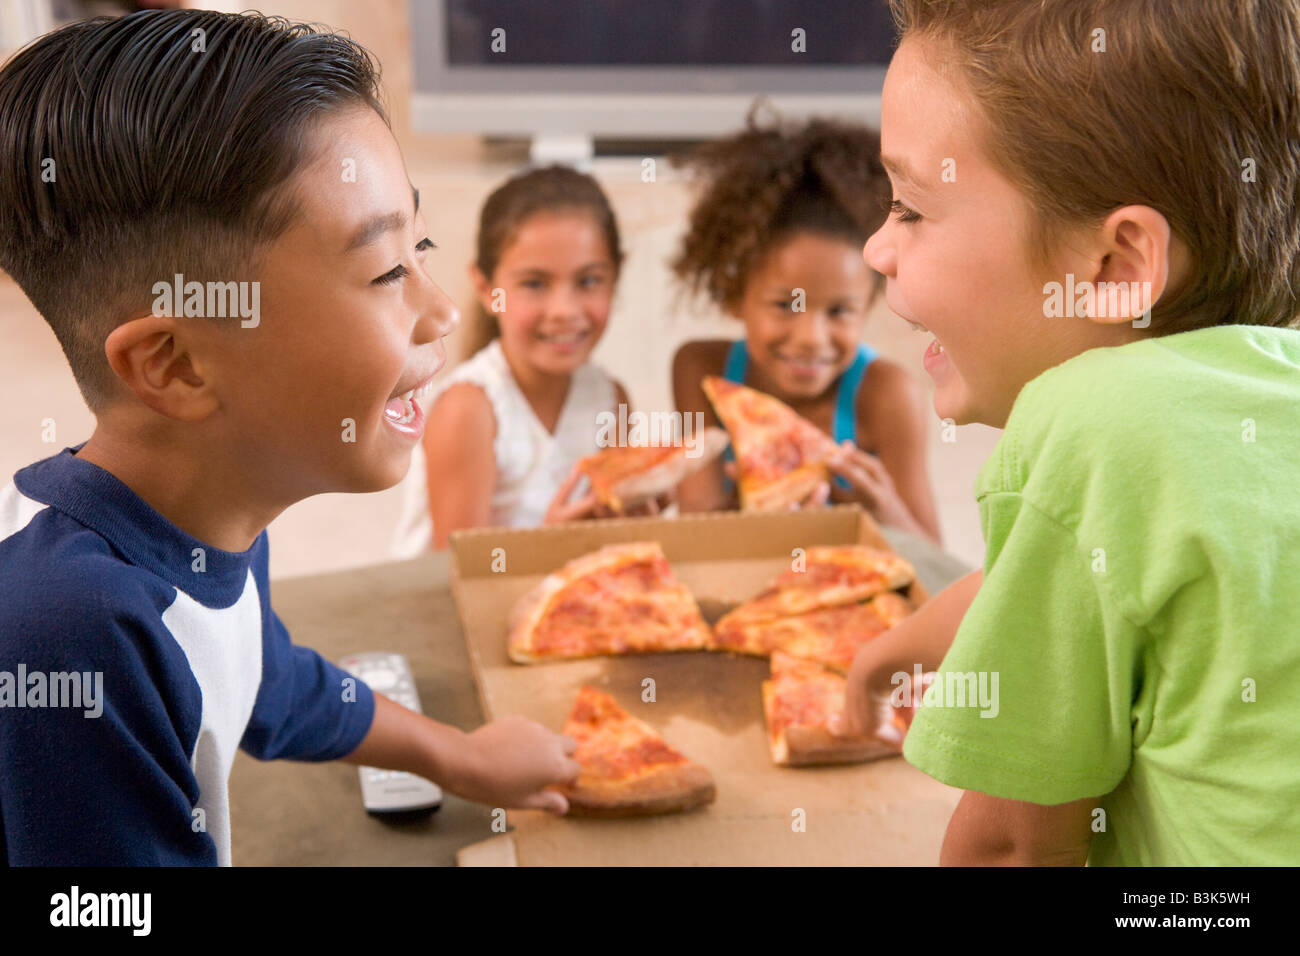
(766, 183)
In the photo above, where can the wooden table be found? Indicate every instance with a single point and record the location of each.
(286, 813)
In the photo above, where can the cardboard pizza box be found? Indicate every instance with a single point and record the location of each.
(708, 705)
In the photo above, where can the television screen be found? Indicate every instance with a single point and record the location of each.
(666, 33)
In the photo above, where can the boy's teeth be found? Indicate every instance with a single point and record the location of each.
(410, 409)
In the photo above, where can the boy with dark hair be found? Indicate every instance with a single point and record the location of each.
(212, 213)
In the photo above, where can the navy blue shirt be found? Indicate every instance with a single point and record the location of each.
(190, 660)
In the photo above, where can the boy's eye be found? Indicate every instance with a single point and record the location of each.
(903, 213)
(591, 280)
(401, 272)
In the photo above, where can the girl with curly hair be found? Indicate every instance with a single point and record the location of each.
(776, 240)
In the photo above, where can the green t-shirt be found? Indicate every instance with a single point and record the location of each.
(1141, 603)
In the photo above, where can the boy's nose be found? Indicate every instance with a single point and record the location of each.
(879, 252)
(438, 318)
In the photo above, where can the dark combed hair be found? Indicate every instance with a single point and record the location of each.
(766, 183)
(171, 151)
(553, 188)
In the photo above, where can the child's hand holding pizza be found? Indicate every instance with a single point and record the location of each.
(867, 709)
(562, 509)
(590, 505)
(872, 486)
(510, 761)
(887, 664)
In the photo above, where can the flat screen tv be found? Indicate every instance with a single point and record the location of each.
(642, 69)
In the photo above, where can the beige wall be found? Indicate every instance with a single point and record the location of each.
(454, 175)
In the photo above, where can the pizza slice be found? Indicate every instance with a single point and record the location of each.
(829, 576)
(798, 703)
(830, 636)
(780, 456)
(621, 599)
(627, 768)
(627, 475)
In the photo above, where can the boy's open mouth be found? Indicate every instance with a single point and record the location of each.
(936, 348)
(401, 409)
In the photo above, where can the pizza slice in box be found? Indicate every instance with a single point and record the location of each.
(627, 768)
(628, 475)
(798, 703)
(829, 636)
(621, 599)
(780, 456)
(829, 576)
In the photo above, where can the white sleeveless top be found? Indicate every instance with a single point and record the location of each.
(531, 462)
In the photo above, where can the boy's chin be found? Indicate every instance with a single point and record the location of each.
(381, 472)
(954, 403)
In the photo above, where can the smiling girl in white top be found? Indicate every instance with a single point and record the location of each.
(507, 427)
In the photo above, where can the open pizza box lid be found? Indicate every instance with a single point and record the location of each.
(707, 705)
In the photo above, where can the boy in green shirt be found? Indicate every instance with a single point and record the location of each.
(1104, 245)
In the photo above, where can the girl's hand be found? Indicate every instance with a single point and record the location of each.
(561, 509)
(589, 506)
(872, 486)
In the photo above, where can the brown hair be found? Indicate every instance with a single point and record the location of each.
(554, 188)
(166, 158)
(766, 183)
(1174, 111)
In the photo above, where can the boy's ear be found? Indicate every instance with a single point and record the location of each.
(149, 356)
(1135, 246)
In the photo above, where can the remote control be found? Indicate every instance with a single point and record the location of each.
(391, 791)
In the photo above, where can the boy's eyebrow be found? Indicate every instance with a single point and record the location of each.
(902, 171)
(376, 226)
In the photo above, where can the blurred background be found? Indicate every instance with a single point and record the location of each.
(601, 84)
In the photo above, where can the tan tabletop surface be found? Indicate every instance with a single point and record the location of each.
(286, 813)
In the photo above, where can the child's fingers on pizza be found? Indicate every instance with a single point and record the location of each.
(568, 744)
(867, 468)
(572, 770)
(820, 495)
(584, 506)
(815, 498)
(844, 724)
(859, 478)
(551, 800)
(567, 487)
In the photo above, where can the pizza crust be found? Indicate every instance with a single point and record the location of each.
(666, 476)
(807, 746)
(667, 789)
(777, 601)
(892, 607)
(790, 489)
